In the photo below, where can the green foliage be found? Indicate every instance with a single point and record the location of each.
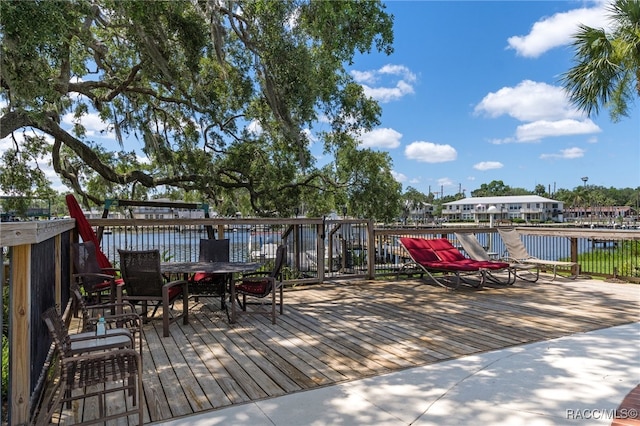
(497, 188)
(18, 175)
(626, 256)
(221, 96)
(607, 69)
(5, 342)
(5, 367)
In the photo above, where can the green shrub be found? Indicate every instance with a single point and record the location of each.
(5, 367)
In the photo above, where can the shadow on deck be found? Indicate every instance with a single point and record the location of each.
(338, 332)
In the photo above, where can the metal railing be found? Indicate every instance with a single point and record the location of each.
(318, 250)
(321, 249)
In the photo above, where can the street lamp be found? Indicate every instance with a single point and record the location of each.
(491, 210)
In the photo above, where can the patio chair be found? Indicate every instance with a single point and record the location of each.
(144, 284)
(202, 284)
(517, 253)
(440, 256)
(98, 370)
(262, 284)
(93, 279)
(119, 317)
(476, 251)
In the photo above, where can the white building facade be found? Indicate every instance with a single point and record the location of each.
(520, 207)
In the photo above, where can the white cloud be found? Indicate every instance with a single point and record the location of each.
(528, 101)
(397, 82)
(380, 138)
(398, 176)
(488, 165)
(567, 154)
(428, 152)
(400, 70)
(542, 129)
(498, 141)
(545, 110)
(364, 76)
(143, 159)
(93, 124)
(254, 128)
(445, 181)
(5, 144)
(557, 30)
(388, 94)
(309, 135)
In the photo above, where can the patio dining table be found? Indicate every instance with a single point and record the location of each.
(227, 268)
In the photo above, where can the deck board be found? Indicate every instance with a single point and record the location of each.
(336, 332)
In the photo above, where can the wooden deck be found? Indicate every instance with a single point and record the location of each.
(338, 332)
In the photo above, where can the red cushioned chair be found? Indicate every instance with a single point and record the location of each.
(253, 285)
(94, 280)
(202, 284)
(439, 255)
(144, 283)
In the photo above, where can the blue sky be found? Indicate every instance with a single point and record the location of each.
(471, 94)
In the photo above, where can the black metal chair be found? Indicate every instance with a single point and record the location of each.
(202, 284)
(144, 283)
(256, 286)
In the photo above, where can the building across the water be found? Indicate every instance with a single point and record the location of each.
(521, 207)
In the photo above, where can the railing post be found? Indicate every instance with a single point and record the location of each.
(371, 251)
(20, 333)
(320, 250)
(574, 255)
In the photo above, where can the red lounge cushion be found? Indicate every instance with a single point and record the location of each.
(175, 291)
(452, 266)
(445, 250)
(419, 251)
(200, 276)
(104, 285)
(488, 264)
(257, 287)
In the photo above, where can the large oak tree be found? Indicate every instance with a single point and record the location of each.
(224, 97)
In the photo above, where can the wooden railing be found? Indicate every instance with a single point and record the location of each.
(319, 250)
(39, 273)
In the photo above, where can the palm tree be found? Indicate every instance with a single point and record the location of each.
(608, 64)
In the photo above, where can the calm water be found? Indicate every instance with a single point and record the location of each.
(184, 246)
(174, 246)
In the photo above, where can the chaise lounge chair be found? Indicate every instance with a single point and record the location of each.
(476, 251)
(517, 253)
(439, 255)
